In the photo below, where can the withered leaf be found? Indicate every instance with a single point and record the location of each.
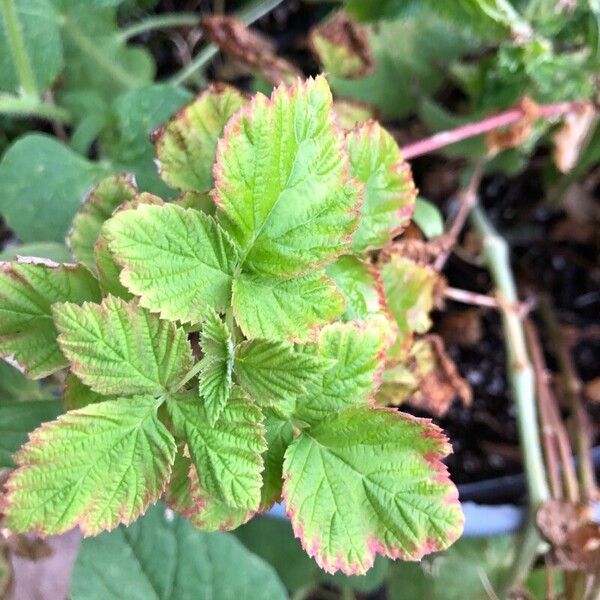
(516, 134)
(252, 50)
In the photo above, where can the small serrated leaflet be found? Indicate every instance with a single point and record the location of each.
(227, 455)
(97, 207)
(390, 193)
(286, 309)
(186, 144)
(120, 348)
(27, 292)
(178, 261)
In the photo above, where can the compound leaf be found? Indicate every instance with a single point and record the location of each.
(95, 467)
(285, 309)
(390, 193)
(186, 145)
(282, 184)
(274, 372)
(227, 456)
(162, 557)
(120, 348)
(402, 505)
(97, 207)
(216, 375)
(179, 261)
(27, 292)
(358, 352)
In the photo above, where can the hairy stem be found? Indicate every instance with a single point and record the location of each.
(18, 49)
(248, 16)
(502, 119)
(159, 22)
(28, 106)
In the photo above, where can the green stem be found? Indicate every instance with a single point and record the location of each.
(188, 376)
(522, 379)
(248, 16)
(87, 46)
(520, 371)
(18, 49)
(27, 106)
(159, 22)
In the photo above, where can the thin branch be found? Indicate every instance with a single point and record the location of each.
(248, 16)
(572, 389)
(163, 21)
(472, 298)
(552, 425)
(467, 198)
(18, 50)
(502, 119)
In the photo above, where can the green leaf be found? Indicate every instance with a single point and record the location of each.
(97, 207)
(389, 201)
(358, 352)
(95, 467)
(179, 261)
(54, 251)
(203, 510)
(27, 292)
(409, 289)
(471, 568)
(361, 285)
(412, 52)
(186, 145)
(402, 504)
(42, 183)
(162, 557)
(279, 435)
(281, 182)
(138, 112)
(119, 348)
(78, 395)
(428, 218)
(216, 375)
(15, 386)
(227, 456)
(18, 419)
(288, 309)
(108, 270)
(38, 24)
(274, 373)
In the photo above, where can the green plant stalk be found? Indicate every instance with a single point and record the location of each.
(159, 22)
(87, 46)
(29, 106)
(18, 49)
(248, 16)
(522, 379)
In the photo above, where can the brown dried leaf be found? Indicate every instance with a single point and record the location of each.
(592, 390)
(342, 47)
(571, 136)
(575, 538)
(427, 379)
(252, 50)
(516, 134)
(461, 327)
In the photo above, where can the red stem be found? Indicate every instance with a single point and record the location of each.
(508, 117)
